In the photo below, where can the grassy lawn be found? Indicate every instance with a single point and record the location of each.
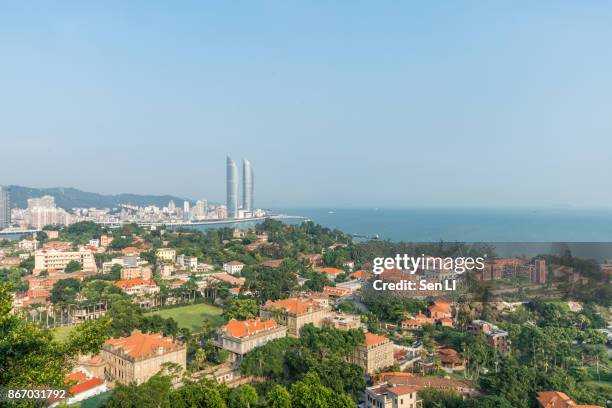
(61, 333)
(188, 316)
(191, 316)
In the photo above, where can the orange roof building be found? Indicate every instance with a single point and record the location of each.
(139, 356)
(331, 273)
(295, 313)
(375, 353)
(363, 275)
(557, 399)
(240, 337)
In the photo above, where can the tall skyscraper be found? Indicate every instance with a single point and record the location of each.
(232, 188)
(247, 186)
(186, 211)
(5, 207)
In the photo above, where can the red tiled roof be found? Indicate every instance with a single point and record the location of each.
(140, 344)
(372, 339)
(76, 376)
(234, 263)
(85, 385)
(292, 305)
(361, 275)
(331, 271)
(248, 327)
(403, 389)
(128, 283)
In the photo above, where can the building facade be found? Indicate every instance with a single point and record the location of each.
(240, 337)
(54, 261)
(140, 356)
(247, 186)
(375, 353)
(232, 188)
(5, 207)
(392, 396)
(294, 314)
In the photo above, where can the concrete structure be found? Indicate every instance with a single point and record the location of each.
(233, 267)
(232, 188)
(166, 254)
(342, 321)
(247, 186)
(54, 261)
(496, 337)
(5, 207)
(140, 356)
(240, 337)
(187, 262)
(294, 313)
(375, 353)
(28, 245)
(392, 396)
(42, 211)
(538, 273)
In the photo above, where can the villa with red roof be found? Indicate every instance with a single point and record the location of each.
(81, 386)
(375, 353)
(556, 399)
(389, 395)
(240, 337)
(137, 286)
(140, 356)
(331, 273)
(294, 313)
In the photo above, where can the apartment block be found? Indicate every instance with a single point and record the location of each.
(54, 261)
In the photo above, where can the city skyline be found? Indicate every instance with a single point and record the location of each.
(377, 99)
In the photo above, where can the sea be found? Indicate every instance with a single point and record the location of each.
(513, 232)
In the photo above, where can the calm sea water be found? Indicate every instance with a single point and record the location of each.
(470, 225)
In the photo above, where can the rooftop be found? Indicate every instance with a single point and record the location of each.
(249, 327)
(140, 344)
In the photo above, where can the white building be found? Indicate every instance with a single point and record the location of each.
(233, 267)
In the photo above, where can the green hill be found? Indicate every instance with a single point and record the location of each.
(68, 198)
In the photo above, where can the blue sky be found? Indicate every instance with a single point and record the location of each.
(343, 103)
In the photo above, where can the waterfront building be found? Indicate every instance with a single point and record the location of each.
(5, 207)
(138, 357)
(232, 188)
(200, 209)
(186, 210)
(247, 186)
(43, 211)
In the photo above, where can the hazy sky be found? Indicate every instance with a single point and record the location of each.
(342, 103)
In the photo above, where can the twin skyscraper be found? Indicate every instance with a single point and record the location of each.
(232, 187)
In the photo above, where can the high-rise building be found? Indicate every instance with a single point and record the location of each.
(247, 186)
(5, 207)
(200, 209)
(186, 210)
(43, 211)
(232, 188)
